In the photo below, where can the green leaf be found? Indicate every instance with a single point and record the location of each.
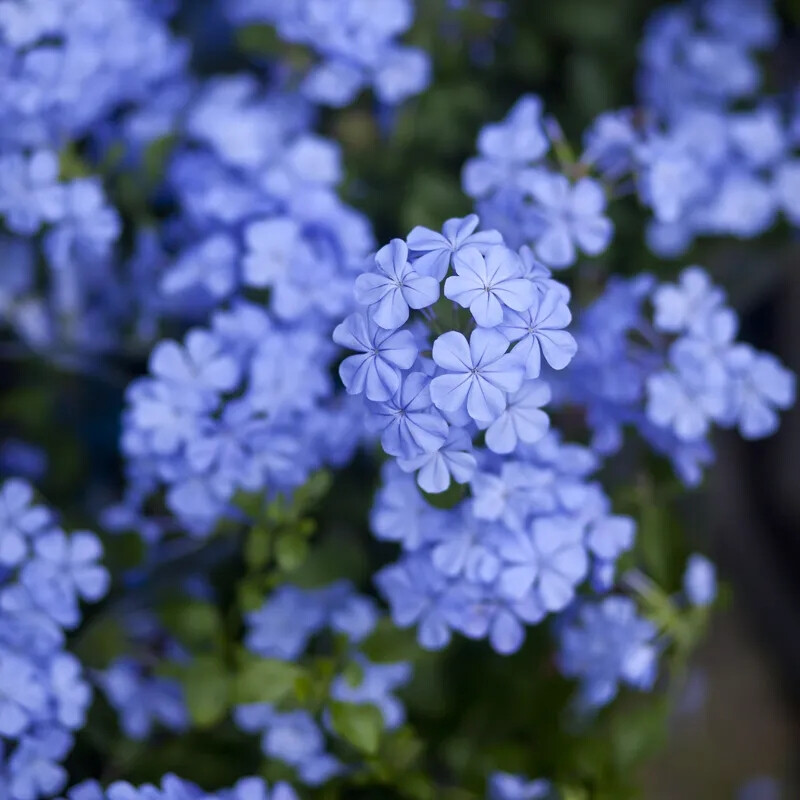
(207, 688)
(193, 622)
(353, 674)
(257, 40)
(291, 550)
(312, 491)
(360, 725)
(258, 547)
(265, 680)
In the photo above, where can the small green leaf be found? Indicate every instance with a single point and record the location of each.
(257, 40)
(360, 725)
(207, 688)
(258, 547)
(193, 622)
(263, 680)
(353, 674)
(291, 551)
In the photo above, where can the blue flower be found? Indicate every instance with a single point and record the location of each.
(201, 367)
(274, 248)
(376, 373)
(30, 194)
(487, 285)
(395, 287)
(283, 626)
(35, 767)
(409, 424)
(255, 789)
(685, 306)
(434, 252)
(23, 696)
(523, 420)
(418, 593)
(71, 693)
(760, 385)
(453, 459)
(506, 147)
(86, 230)
(400, 513)
(688, 399)
(20, 521)
(479, 373)
(538, 331)
(611, 536)
(609, 643)
(504, 786)
(140, 701)
(550, 560)
(63, 570)
(402, 73)
(209, 265)
(377, 684)
(569, 217)
(700, 581)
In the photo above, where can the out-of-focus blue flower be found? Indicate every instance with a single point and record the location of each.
(504, 786)
(570, 217)
(141, 700)
(608, 644)
(376, 687)
(506, 148)
(357, 44)
(700, 581)
(550, 558)
(20, 521)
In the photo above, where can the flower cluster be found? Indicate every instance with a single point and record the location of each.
(172, 788)
(257, 210)
(283, 629)
(44, 575)
(534, 527)
(355, 40)
(502, 786)
(608, 643)
(530, 200)
(244, 405)
(49, 53)
(672, 374)
(706, 158)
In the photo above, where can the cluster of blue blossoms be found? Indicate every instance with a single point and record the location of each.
(283, 629)
(45, 573)
(709, 157)
(355, 40)
(458, 356)
(663, 359)
(50, 52)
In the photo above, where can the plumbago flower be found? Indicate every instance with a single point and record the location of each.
(673, 374)
(534, 527)
(528, 198)
(44, 693)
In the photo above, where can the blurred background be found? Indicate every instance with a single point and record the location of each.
(738, 715)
